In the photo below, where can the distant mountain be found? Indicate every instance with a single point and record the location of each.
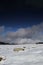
(3, 43)
(39, 43)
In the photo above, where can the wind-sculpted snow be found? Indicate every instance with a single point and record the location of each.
(32, 55)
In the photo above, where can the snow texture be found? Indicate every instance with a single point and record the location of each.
(32, 55)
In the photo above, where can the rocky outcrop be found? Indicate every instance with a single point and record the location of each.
(39, 43)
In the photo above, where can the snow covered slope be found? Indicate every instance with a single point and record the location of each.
(32, 55)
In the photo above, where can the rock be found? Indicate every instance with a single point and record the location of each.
(18, 49)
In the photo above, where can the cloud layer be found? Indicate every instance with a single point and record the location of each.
(2, 29)
(23, 35)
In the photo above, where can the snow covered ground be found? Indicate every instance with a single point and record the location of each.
(32, 55)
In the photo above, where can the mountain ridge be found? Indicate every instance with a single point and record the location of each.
(3, 43)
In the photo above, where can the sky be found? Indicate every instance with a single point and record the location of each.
(21, 20)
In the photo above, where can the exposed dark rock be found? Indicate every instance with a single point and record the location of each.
(39, 43)
(3, 43)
